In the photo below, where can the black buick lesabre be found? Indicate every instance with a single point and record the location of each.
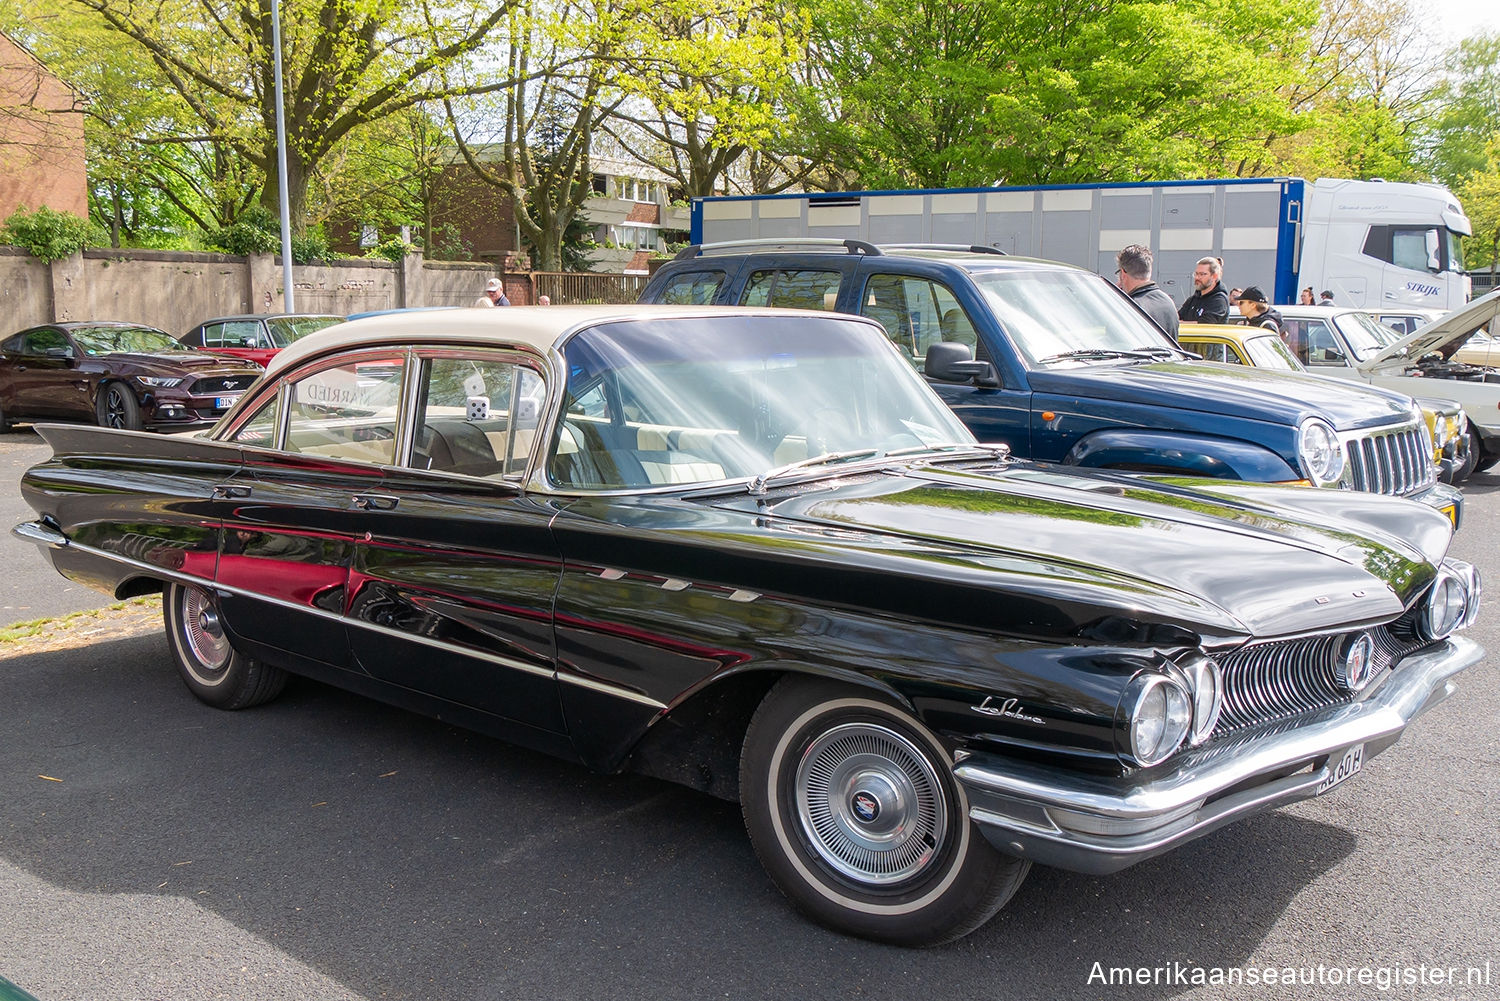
(751, 552)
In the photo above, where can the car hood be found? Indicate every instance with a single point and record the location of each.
(192, 363)
(1448, 331)
(1223, 559)
(1230, 390)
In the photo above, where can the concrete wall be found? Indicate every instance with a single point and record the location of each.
(176, 291)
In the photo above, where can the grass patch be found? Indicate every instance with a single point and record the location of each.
(121, 616)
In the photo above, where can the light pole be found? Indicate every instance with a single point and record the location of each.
(286, 215)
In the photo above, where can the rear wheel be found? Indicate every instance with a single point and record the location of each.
(853, 810)
(118, 408)
(213, 670)
(4, 422)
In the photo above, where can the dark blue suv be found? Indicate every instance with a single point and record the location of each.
(1061, 366)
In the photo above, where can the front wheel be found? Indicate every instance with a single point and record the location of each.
(852, 808)
(213, 670)
(118, 408)
(1485, 455)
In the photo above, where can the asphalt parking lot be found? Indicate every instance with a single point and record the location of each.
(328, 847)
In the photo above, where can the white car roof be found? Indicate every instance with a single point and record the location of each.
(537, 328)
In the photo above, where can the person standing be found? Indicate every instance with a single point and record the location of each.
(1257, 311)
(1306, 298)
(1209, 303)
(1326, 299)
(1134, 276)
(494, 294)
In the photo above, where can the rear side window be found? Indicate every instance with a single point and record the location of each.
(347, 411)
(792, 289)
(916, 313)
(693, 288)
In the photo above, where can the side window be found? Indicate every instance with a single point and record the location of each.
(235, 334)
(213, 335)
(47, 341)
(1210, 350)
(347, 411)
(693, 288)
(1322, 347)
(260, 429)
(916, 313)
(1415, 249)
(792, 289)
(476, 416)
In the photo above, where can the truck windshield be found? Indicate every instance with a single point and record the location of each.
(1059, 318)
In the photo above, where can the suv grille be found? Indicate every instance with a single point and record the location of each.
(1392, 462)
(1264, 682)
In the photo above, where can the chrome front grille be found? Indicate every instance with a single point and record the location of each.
(1392, 462)
(1264, 682)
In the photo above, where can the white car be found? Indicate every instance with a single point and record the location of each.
(1351, 344)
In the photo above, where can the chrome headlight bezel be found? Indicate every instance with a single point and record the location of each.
(1205, 685)
(1473, 587)
(1158, 715)
(1445, 606)
(1320, 454)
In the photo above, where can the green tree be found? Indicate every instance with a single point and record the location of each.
(347, 64)
(1466, 127)
(1048, 91)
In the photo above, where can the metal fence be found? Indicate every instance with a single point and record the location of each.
(563, 287)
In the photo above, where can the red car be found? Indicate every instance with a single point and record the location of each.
(121, 375)
(255, 336)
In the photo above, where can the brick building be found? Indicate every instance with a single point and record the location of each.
(41, 137)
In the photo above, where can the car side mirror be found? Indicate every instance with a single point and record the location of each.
(60, 352)
(950, 361)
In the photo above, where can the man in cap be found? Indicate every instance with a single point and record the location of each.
(1257, 311)
(494, 294)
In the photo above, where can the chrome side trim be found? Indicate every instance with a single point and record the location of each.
(1101, 824)
(39, 534)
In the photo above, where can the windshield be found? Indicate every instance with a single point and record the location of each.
(1059, 318)
(1271, 352)
(1366, 336)
(700, 400)
(108, 340)
(286, 329)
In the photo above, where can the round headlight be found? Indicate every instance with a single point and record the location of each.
(1357, 662)
(1206, 689)
(1473, 586)
(1319, 453)
(1159, 714)
(1444, 607)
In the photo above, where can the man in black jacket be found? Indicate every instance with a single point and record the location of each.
(1209, 303)
(1134, 277)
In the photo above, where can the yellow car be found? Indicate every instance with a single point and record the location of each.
(1261, 348)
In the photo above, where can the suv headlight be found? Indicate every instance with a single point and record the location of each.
(1158, 714)
(1319, 452)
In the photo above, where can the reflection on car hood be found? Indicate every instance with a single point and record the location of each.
(1231, 390)
(1259, 559)
(178, 362)
(1450, 330)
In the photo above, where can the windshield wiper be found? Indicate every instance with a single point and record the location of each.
(962, 448)
(1151, 351)
(758, 484)
(1090, 354)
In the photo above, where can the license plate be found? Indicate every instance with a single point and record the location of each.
(1350, 764)
(225, 402)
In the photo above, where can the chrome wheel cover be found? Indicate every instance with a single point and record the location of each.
(870, 804)
(202, 635)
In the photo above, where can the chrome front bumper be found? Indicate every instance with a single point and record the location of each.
(1101, 824)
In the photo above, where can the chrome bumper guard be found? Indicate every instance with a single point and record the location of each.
(1101, 824)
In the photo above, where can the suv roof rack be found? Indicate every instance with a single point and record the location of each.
(973, 248)
(779, 243)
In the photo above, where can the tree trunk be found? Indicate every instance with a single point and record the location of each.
(296, 188)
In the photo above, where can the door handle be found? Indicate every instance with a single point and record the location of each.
(222, 492)
(375, 502)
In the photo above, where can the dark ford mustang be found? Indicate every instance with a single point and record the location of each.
(752, 552)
